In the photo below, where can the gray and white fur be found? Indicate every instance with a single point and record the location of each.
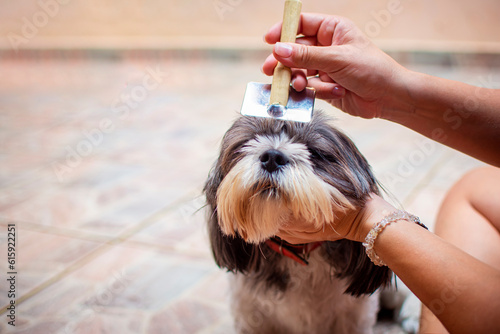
(270, 172)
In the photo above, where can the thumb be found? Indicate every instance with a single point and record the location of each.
(309, 57)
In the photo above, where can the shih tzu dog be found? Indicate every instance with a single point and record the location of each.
(270, 172)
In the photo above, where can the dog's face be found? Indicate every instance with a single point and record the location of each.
(270, 172)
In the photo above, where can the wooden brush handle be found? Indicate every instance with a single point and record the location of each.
(282, 74)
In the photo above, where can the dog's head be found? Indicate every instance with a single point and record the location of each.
(270, 172)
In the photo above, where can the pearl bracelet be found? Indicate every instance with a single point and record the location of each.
(379, 227)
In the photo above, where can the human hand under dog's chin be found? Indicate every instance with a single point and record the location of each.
(353, 224)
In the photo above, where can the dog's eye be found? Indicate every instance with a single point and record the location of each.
(315, 154)
(321, 156)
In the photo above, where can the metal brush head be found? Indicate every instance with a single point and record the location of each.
(299, 107)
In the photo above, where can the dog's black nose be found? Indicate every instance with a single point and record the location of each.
(272, 160)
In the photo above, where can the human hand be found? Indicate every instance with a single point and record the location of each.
(353, 225)
(340, 62)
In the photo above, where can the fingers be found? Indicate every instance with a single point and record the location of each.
(291, 239)
(294, 238)
(309, 25)
(298, 237)
(296, 55)
(305, 57)
(299, 80)
(326, 90)
(324, 85)
(299, 77)
(269, 65)
(273, 34)
(271, 62)
(318, 30)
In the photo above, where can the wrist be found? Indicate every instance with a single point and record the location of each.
(395, 217)
(374, 211)
(399, 105)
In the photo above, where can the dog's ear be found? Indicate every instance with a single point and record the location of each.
(230, 252)
(349, 257)
(363, 276)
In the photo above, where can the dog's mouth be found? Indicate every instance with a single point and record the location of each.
(268, 189)
(270, 193)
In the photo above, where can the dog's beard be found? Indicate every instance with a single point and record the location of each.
(255, 203)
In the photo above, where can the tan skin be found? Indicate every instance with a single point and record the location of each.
(461, 287)
(469, 218)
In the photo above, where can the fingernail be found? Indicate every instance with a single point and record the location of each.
(339, 91)
(283, 50)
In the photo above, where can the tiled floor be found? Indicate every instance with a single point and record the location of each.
(102, 162)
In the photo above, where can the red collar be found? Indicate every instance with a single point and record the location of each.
(292, 251)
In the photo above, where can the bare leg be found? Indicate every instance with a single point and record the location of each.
(469, 218)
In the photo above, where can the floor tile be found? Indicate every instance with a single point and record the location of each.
(183, 229)
(108, 321)
(45, 326)
(41, 257)
(186, 316)
(134, 277)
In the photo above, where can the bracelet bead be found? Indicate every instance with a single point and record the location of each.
(379, 227)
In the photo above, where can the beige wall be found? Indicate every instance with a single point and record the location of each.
(442, 25)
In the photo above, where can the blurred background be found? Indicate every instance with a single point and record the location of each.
(111, 114)
(409, 25)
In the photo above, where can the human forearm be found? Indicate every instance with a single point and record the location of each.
(461, 116)
(463, 292)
